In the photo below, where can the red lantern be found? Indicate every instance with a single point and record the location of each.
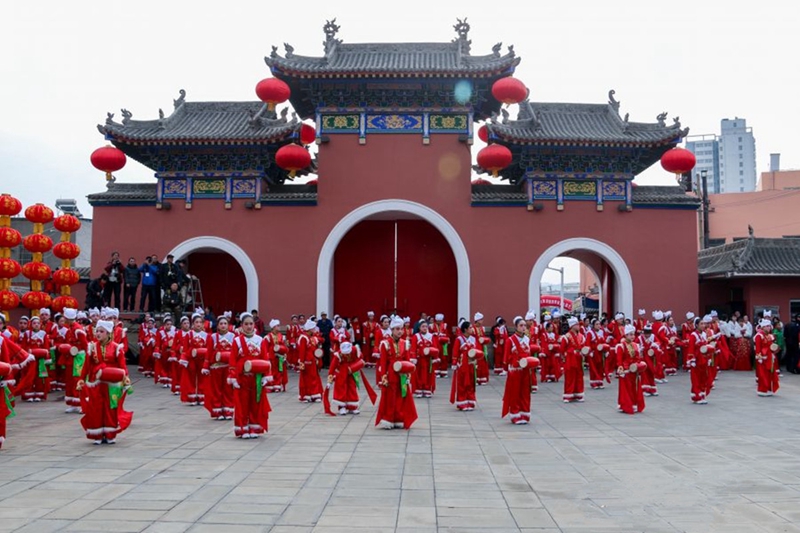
(37, 243)
(108, 159)
(36, 271)
(678, 161)
(9, 238)
(66, 276)
(9, 206)
(483, 133)
(292, 157)
(509, 90)
(481, 181)
(8, 300)
(9, 268)
(67, 223)
(66, 250)
(39, 214)
(61, 302)
(272, 91)
(494, 158)
(307, 134)
(36, 300)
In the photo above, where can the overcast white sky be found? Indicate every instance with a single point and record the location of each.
(65, 64)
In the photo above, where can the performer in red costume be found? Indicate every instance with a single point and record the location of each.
(482, 342)
(102, 391)
(345, 377)
(368, 330)
(517, 393)
(396, 408)
(425, 355)
(640, 321)
(652, 355)
(687, 328)
(338, 334)
(219, 393)
(629, 364)
(767, 365)
(147, 344)
(72, 354)
(383, 332)
(36, 342)
(500, 336)
(275, 346)
(251, 414)
(164, 351)
(465, 356)
(309, 350)
(194, 353)
(442, 333)
(14, 364)
(574, 349)
(699, 360)
(596, 338)
(175, 367)
(550, 354)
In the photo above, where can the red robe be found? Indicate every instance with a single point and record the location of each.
(767, 364)
(75, 338)
(292, 334)
(175, 367)
(345, 377)
(194, 352)
(103, 403)
(368, 330)
(631, 395)
(38, 345)
(441, 331)
(275, 346)
(572, 346)
(462, 390)
(425, 378)
(251, 412)
(699, 364)
(309, 384)
(550, 356)
(219, 393)
(164, 353)
(648, 377)
(147, 345)
(482, 342)
(396, 406)
(597, 358)
(12, 354)
(517, 393)
(668, 341)
(500, 339)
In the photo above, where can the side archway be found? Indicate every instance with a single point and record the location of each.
(623, 288)
(197, 244)
(326, 255)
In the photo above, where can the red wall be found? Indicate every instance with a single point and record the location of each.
(503, 243)
(221, 280)
(758, 292)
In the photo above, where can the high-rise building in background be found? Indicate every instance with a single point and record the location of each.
(729, 159)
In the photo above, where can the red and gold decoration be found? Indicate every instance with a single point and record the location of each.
(65, 250)
(272, 92)
(307, 134)
(108, 159)
(292, 157)
(494, 158)
(678, 161)
(37, 244)
(509, 90)
(483, 133)
(9, 238)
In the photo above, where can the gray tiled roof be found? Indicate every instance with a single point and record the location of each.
(413, 59)
(642, 195)
(203, 121)
(540, 122)
(751, 257)
(145, 193)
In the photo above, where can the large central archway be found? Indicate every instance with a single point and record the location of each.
(325, 264)
(622, 292)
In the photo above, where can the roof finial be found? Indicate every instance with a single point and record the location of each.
(662, 119)
(126, 116)
(182, 98)
(750, 231)
(331, 29)
(613, 102)
(289, 50)
(462, 29)
(496, 49)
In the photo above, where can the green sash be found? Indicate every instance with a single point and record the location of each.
(52, 357)
(281, 359)
(259, 387)
(114, 395)
(357, 377)
(444, 350)
(403, 385)
(7, 393)
(486, 351)
(42, 364)
(77, 364)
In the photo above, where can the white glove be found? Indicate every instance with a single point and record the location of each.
(235, 384)
(692, 364)
(184, 364)
(437, 361)
(157, 355)
(151, 342)
(205, 372)
(265, 380)
(5, 383)
(140, 345)
(413, 361)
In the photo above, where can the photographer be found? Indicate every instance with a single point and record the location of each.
(150, 286)
(173, 303)
(112, 289)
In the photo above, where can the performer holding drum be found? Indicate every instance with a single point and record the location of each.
(249, 374)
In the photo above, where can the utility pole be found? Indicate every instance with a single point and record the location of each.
(706, 204)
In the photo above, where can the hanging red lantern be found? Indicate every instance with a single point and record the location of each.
(66, 276)
(39, 214)
(509, 90)
(36, 271)
(9, 238)
(108, 159)
(36, 300)
(9, 268)
(494, 158)
(481, 181)
(292, 157)
(678, 161)
(483, 133)
(60, 302)
(8, 300)
(9, 206)
(38, 243)
(67, 223)
(307, 134)
(272, 91)
(66, 250)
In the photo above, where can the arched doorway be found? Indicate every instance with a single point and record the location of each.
(614, 278)
(414, 236)
(228, 277)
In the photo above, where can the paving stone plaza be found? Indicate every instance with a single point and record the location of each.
(729, 466)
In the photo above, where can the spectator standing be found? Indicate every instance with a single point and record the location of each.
(159, 288)
(149, 274)
(132, 278)
(173, 304)
(185, 283)
(95, 292)
(792, 339)
(325, 326)
(114, 270)
(259, 324)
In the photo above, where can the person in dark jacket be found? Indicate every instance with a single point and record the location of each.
(132, 277)
(95, 291)
(173, 303)
(113, 270)
(150, 288)
(792, 339)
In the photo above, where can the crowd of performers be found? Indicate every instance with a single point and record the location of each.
(232, 370)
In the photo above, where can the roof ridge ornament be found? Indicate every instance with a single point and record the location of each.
(496, 49)
(462, 29)
(331, 29)
(126, 116)
(289, 50)
(677, 122)
(613, 102)
(181, 99)
(662, 118)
